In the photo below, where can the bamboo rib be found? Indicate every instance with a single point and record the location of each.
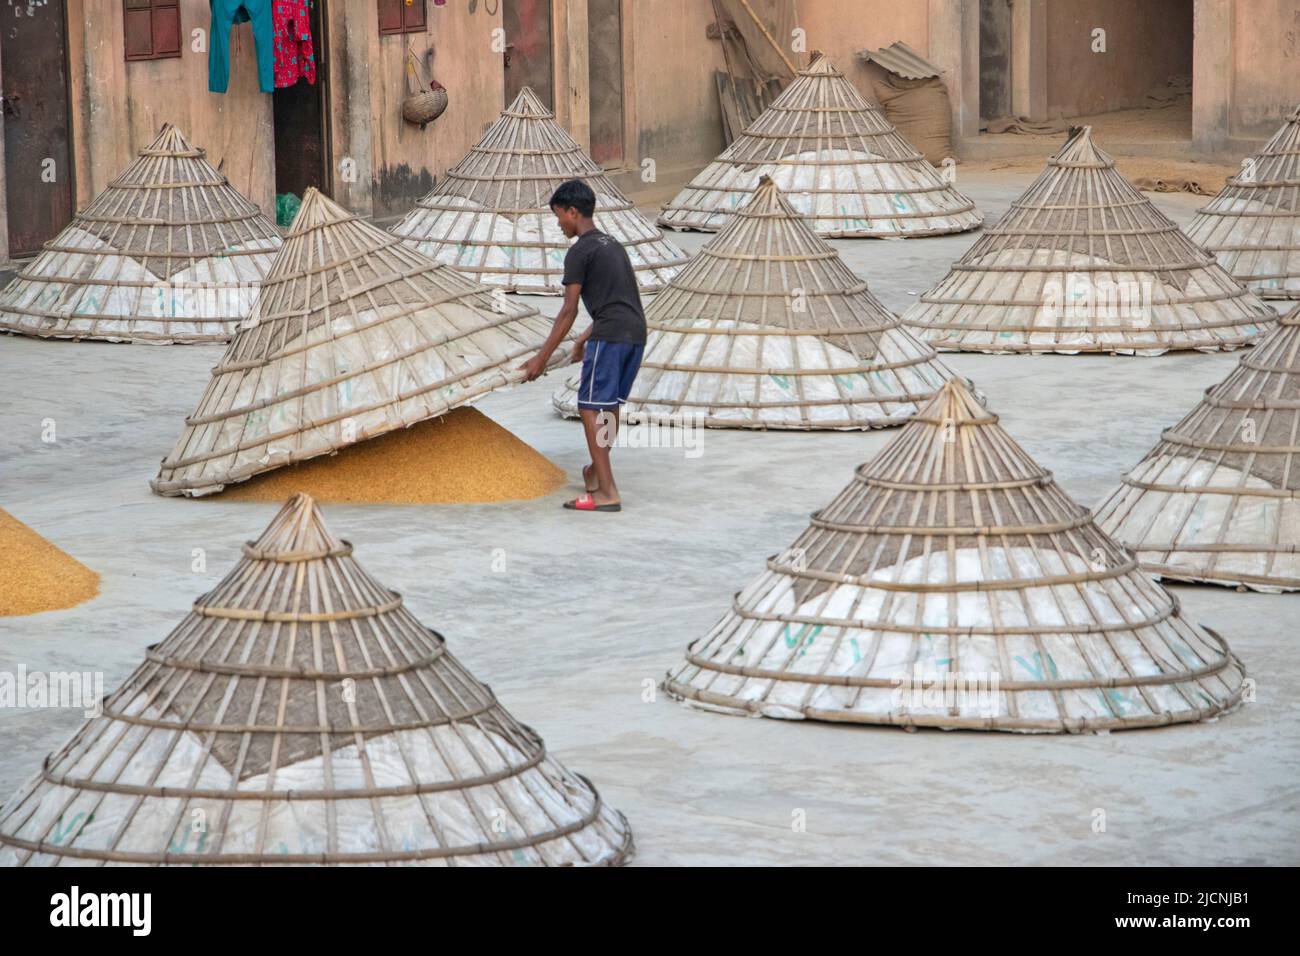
(137, 265)
(1218, 498)
(953, 560)
(1083, 262)
(354, 335)
(321, 725)
(1253, 225)
(490, 216)
(768, 328)
(839, 161)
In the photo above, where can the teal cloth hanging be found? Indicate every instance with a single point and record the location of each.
(225, 14)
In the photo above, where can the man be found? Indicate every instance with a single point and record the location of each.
(598, 270)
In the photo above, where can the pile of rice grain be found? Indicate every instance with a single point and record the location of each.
(462, 457)
(36, 576)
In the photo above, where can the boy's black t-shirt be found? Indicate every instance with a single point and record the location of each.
(600, 265)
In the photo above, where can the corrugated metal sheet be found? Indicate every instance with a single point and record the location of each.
(901, 59)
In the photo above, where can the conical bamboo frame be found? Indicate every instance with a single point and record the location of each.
(1083, 262)
(168, 253)
(839, 162)
(354, 335)
(953, 584)
(490, 216)
(1218, 499)
(768, 328)
(300, 714)
(1253, 225)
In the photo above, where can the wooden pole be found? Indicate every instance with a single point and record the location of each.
(770, 39)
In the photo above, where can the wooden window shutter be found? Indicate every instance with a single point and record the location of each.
(390, 16)
(139, 29)
(415, 16)
(166, 29)
(151, 29)
(399, 16)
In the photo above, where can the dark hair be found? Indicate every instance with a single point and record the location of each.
(575, 194)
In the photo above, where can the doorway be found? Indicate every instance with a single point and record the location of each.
(605, 80)
(527, 25)
(34, 99)
(300, 117)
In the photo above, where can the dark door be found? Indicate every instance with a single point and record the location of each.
(38, 159)
(527, 24)
(299, 115)
(605, 73)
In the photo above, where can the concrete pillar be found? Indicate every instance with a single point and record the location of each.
(1212, 28)
(354, 44)
(4, 198)
(954, 34)
(1029, 58)
(631, 124)
(572, 79)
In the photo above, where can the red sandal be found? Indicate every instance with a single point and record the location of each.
(588, 503)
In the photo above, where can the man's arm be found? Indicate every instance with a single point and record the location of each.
(536, 365)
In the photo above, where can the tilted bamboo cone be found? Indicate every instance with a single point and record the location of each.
(168, 253)
(838, 160)
(490, 216)
(768, 328)
(1218, 499)
(1083, 262)
(953, 584)
(353, 335)
(299, 714)
(1253, 225)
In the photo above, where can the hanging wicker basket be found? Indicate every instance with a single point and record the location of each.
(423, 104)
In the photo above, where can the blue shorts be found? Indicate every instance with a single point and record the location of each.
(608, 371)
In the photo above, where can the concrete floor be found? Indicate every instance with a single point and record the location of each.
(590, 607)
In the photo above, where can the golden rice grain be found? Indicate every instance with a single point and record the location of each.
(463, 457)
(36, 576)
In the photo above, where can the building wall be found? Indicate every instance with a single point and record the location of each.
(840, 28)
(396, 162)
(117, 107)
(672, 96)
(1247, 61)
(1265, 66)
(1146, 43)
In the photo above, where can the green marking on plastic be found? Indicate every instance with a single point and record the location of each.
(174, 847)
(803, 639)
(1117, 701)
(1036, 668)
(857, 651)
(938, 661)
(62, 832)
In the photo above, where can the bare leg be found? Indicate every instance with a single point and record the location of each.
(601, 428)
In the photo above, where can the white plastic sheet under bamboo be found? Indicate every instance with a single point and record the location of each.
(511, 250)
(788, 400)
(532, 801)
(1070, 299)
(1200, 517)
(1269, 263)
(114, 296)
(841, 190)
(869, 649)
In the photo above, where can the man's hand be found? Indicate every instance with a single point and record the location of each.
(579, 350)
(533, 368)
